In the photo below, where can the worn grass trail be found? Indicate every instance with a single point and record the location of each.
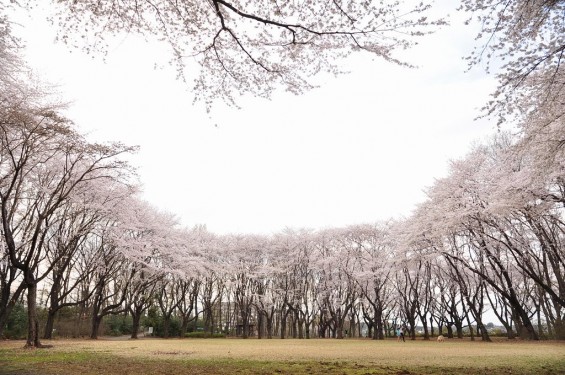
(317, 356)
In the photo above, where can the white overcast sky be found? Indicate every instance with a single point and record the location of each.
(359, 149)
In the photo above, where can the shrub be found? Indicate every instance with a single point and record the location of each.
(155, 319)
(118, 325)
(204, 335)
(16, 325)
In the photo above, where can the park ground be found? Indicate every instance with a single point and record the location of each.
(317, 356)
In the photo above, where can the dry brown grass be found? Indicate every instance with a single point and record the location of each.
(414, 357)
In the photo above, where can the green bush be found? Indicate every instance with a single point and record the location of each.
(174, 328)
(118, 325)
(152, 319)
(155, 319)
(204, 335)
(16, 325)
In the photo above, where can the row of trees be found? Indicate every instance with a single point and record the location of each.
(480, 243)
(488, 238)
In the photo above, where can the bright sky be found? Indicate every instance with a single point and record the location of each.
(359, 149)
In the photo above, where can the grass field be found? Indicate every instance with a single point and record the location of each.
(326, 356)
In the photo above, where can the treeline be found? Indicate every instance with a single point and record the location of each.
(442, 274)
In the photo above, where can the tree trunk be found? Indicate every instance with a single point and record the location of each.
(449, 330)
(300, 326)
(184, 327)
(33, 323)
(378, 324)
(412, 327)
(269, 321)
(166, 325)
(459, 328)
(482, 329)
(136, 318)
(96, 322)
(284, 315)
(48, 333)
(244, 323)
(296, 325)
(425, 326)
(260, 324)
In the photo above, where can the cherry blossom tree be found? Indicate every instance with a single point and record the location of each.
(306, 275)
(168, 298)
(111, 279)
(12, 91)
(250, 47)
(151, 241)
(15, 83)
(294, 285)
(43, 162)
(284, 303)
(141, 294)
(451, 308)
(527, 40)
(477, 218)
(374, 272)
(247, 260)
(66, 237)
(187, 293)
(340, 293)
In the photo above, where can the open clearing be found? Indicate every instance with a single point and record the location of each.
(316, 356)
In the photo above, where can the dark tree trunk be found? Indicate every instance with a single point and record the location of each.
(293, 327)
(51, 314)
(480, 326)
(96, 306)
(459, 327)
(269, 322)
(53, 308)
(136, 319)
(96, 322)
(449, 330)
(300, 322)
(260, 324)
(284, 315)
(378, 324)
(166, 325)
(184, 326)
(425, 326)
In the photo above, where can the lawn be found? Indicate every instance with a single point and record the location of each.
(252, 356)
